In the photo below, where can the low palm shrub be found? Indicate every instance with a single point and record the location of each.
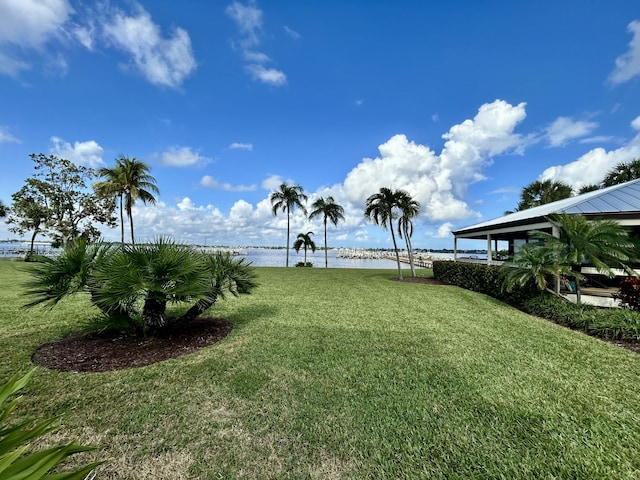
(16, 462)
(133, 284)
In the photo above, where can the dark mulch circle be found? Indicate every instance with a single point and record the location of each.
(106, 351)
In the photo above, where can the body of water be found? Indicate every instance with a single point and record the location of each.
(261, 257)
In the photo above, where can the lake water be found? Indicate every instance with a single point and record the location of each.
(261, 257)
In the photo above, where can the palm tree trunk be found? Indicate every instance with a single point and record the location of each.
(395, 248)
(121, 221)
(33, 240)
(153, 313)
(326, 260)
(287, 263)
(578, 293)
(410, 252)
(130, 215)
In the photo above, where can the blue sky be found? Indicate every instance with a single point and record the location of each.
(460, 103)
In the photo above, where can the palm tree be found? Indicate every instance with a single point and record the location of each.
(304, 241)
(409, 209)
(535, 262)
(622, 172)
(588, 188)
(380, 209)
(330, 210)
(137, 185)
(112, 186)
(602, 243)
(542, 192)
(287, 199)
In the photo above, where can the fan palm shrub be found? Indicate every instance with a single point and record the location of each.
(133, 284)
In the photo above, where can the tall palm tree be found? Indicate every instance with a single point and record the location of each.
(602, 243)
(288, 198)
(331, 211)
(409, 209)
(304, 241)
(137, 185)
(112, 186)
(542, 192)
(622, 172)
(380, 210)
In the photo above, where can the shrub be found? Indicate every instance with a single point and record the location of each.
(483, 279)
(15, 462)
(303, 264)
(133, 284)
(629, 293)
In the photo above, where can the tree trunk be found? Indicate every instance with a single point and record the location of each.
(153, 313)
(326, 260)
(395, 247)
(287, 263)
(407, 239)
(121, 221)
(33, 240)
(133, 242)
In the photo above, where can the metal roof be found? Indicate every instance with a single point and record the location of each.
(622, 199)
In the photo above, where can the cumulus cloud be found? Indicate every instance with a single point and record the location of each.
(591, 167)
(270, 76)
(183, 157)
(6, 137)
(165, 61)
(564, 129)
(444, 230)
(210, 182)
(29, 25)
(628, 64)
(272, 182)
(241, 146)
(87, 153)
(248, 20)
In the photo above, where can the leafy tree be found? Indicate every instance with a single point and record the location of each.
(409, 209)
(4, 210)
(542, 192)
(329, 210)
(622, 172)
(380, 210)
(304, 241)
(287, 199)
(136, 184)
(61, 187)
(28, 214)
(602, 243)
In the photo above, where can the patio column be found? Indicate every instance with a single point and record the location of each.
(455, 249)
(489, 251)
(556, 233)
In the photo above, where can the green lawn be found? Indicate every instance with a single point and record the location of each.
(345, 374)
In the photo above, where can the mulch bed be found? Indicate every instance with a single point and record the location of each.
(106, 351)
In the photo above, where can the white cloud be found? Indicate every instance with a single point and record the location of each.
(210, 182)
(270, 76)
(564, 129)
(628, 64)
(591, 167)
(87, 153)
(248, 19)
(439, 182)
(444, 231)
(241, 146)
(162, 61)
(29, 25)
(292, 33)
(183, 157)
(272, 182)
(6, 137)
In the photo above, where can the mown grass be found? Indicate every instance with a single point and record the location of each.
(345, 374)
